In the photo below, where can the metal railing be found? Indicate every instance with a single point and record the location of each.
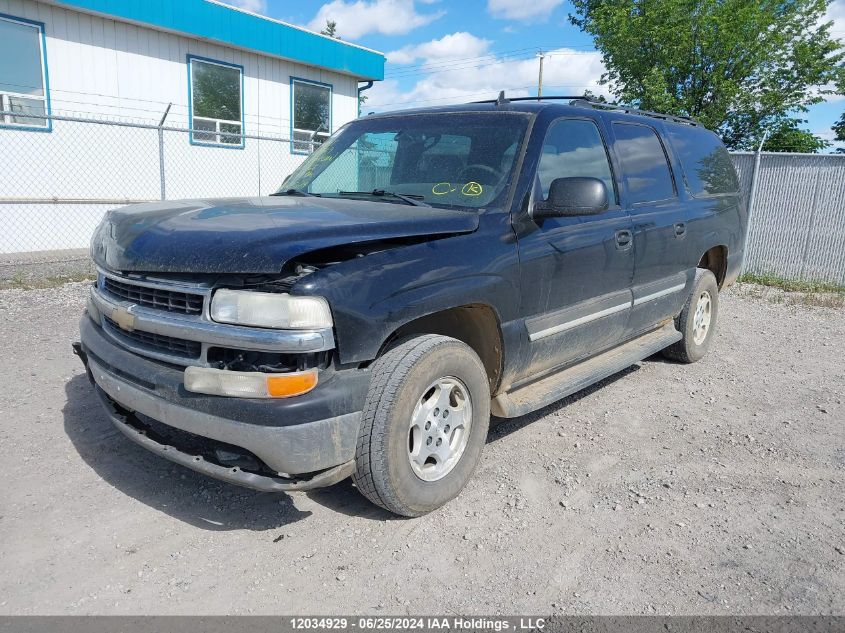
(55, 186)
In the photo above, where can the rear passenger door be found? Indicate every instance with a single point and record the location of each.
(659, 224)
(576, 270)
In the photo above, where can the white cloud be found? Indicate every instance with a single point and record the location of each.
(356, 19)
(254, 6)
(836, 14)
(453, 46)
(565, 71)
(526, 10)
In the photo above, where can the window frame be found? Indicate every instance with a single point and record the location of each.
(293, 82)
(193, 141)
(676, 195)
(45, 81)
(600, 128)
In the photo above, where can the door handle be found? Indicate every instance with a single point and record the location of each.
(680, 229)
(623, 239)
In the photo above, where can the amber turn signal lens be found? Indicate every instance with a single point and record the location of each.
(254, 384)
(285, 386)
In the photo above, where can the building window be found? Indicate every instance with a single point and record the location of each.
(23, 74)
(311, 117)
(216, 97)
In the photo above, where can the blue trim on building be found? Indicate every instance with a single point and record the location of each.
(293, 80)
(43, 35)
(191, 58)
(228, 26)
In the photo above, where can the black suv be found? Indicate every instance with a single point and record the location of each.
(418, 272)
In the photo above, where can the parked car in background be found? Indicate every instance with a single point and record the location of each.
(420, 271)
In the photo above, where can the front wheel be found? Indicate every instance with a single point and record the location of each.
(697, 321)
(424, 424)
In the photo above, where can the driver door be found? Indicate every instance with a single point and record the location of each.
(576, 271)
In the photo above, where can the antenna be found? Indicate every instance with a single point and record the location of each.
(501, 100)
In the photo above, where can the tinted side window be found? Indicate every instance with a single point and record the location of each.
(574, 147)
(643, 163)
(707, 166)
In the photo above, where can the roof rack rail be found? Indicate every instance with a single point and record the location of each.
(503, 99)
(675, 118)
(583, 101)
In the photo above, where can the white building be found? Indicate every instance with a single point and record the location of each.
(226, 74)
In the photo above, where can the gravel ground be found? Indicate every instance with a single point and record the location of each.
(705, 489)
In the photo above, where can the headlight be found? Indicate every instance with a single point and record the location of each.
(266, 309)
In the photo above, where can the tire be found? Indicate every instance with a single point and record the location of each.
(692, 347)
(394, 467)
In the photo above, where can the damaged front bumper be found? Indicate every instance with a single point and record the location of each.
(292, 444)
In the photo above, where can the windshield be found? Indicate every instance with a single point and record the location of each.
(444, 160)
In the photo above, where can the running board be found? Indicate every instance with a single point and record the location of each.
(559, 385)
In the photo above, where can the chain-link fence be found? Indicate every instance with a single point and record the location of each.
(56, 184)
(797, 214)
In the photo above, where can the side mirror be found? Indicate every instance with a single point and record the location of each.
(573, 196)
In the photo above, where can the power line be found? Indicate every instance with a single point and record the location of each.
(534, 48)
(494, 62)
(425, 64)
(473, 62)
(461, 95)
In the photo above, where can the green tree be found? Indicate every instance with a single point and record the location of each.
(786, 136)
(839, 130)
(738, 66)
(331, 29)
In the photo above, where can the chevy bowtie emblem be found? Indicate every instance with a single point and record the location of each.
(124, 319)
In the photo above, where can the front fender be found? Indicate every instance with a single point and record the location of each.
(373, 296)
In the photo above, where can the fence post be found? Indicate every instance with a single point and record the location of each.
(752, 195)
(752, 198)
(161, 150)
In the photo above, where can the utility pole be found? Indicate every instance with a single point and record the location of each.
(542, 56)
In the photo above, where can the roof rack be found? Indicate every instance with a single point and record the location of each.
(586, 102)
(501, 99)
(675, 118)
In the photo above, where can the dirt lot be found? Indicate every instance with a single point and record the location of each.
(705, 489)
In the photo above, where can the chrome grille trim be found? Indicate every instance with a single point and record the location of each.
(154, 297)
(167, 345)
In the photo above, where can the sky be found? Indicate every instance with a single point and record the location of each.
(452, 51)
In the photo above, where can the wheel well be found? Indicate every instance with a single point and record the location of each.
(716, 261)
(476, 325)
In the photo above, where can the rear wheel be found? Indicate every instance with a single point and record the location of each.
(424, 424)
(697, 320)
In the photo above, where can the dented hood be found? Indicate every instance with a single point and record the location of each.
(255, 235)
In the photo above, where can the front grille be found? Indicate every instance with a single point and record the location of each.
(158, 342)
(170, 300)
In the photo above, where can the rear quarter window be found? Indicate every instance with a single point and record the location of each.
(706, 164)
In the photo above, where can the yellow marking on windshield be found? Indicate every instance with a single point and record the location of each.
(442, 188)
(472, 188)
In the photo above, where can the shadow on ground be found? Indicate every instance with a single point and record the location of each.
(213, 505)
(179, 492)
(502, 427)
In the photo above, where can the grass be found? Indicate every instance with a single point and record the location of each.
(796, 291)
(19, 282)
(791, 285)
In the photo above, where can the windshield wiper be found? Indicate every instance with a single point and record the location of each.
(295, 192)
(412, 199)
